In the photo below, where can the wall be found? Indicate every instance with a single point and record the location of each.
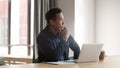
(107, 18)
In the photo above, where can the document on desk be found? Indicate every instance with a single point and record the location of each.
(60, 62)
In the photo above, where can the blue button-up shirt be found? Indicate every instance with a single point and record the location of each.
(53, 48)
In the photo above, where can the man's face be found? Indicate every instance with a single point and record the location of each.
(58, 23)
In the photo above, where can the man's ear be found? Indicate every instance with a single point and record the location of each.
(51, 22)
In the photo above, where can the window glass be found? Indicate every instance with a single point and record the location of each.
(19, 27)
(3, 21)
(3, 27)
(19, 21)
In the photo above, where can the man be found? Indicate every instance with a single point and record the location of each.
(53, 42)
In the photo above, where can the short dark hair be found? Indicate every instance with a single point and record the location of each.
(51, 14)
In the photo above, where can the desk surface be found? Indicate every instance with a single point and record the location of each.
(109, 62)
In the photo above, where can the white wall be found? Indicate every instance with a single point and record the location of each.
(108, 25)
(84, 21)
(68, 10)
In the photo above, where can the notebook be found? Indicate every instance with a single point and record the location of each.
(88, 53)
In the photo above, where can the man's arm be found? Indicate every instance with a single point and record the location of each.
(72, 43)
(74, 46)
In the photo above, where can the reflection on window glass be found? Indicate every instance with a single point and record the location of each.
(3, 21)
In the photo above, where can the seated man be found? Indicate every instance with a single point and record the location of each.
(53, 41)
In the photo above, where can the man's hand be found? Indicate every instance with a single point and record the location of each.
(64, 34)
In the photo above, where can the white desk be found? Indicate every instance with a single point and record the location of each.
(109, 62)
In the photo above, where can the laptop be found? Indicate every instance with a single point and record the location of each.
(89, 53)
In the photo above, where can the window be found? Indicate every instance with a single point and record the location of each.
(19, 21)
(19, 31)
(3, 26)
(15, 27)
